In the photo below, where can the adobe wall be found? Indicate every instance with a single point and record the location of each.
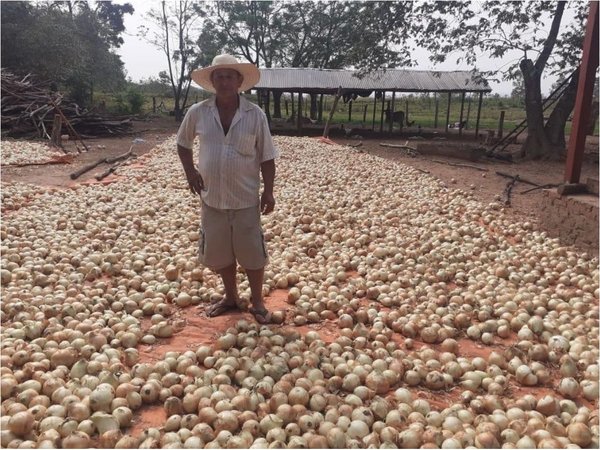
(573, 219)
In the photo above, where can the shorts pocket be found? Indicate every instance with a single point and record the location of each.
(245, 145)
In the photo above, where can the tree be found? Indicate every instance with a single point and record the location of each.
(70, 43)
(504, 28)
(328, 34)
(173, 30)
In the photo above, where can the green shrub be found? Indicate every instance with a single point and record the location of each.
(135, 99)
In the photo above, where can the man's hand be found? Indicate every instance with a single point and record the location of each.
(195, 181)
(267, 202)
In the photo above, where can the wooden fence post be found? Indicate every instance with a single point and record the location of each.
(501, 125)
(338, 94)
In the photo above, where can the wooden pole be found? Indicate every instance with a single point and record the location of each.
(382, 111)
(350, 111)
(293, 107)
(448, 113)
(374, 110)
(437, 109)
(365, 113)
(299, 121)
(392, 111)
(320, 118)
(462, 108)
(153, 105)
(268, 106)
(501, 125)
(469, 108)
(583, 101)
(287, 111)
(478, 115)
(338, 94)
(56, 131)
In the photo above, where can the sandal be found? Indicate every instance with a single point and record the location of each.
(262, 315)
(221, 307)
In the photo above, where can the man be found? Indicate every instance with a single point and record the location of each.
(235, 147)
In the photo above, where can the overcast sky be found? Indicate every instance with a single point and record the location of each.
(142, 60)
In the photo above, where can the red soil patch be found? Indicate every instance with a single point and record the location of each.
(147, 417)
(202, 330)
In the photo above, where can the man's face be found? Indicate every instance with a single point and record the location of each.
(226, 81)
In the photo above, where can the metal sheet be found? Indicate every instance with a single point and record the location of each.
(325, 80)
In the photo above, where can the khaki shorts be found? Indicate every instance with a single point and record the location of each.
(230, 235)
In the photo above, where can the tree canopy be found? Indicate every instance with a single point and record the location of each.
(69, 43)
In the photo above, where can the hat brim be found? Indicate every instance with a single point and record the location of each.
(249, 72)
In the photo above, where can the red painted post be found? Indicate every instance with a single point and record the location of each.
(583, 102)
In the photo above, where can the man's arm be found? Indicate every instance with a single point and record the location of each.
(195, 181)
(267, 201)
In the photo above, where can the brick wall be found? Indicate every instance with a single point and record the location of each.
(573, 219)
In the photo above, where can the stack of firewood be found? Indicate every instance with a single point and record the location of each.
(29, 107)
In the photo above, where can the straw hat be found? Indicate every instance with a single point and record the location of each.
(249, 71)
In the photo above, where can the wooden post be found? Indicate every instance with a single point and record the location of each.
(153, 105)
(338, 94)
(382, 111)
(392, 112)
(287, 111)
(405, 112)
(350, 111)
(320, 117)
(268, 107)
(437, 108)
(501, 125)
(299, 121)
(462, 108)
(448, 113)
(478, 115)
(374, 110)
(57, 131)
(583, 101)
(293, 108)
(365, 113)
(259, 98)
(469, 109)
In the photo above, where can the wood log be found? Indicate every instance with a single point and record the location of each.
(508, 190)
(87, 168)
(522, 180)
(469, 166)
(114, 167)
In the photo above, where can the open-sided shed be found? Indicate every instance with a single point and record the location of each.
(348, 84)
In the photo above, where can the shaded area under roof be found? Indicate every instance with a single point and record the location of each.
(327, 81)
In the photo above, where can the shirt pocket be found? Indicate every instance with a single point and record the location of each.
(245, 144)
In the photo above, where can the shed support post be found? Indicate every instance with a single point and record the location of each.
(382, 111)
(478, 115)
(462, 108)
(448, 113)
(338, 94)
(437, 109)
(299, 123)
(392, 112)
(374, 110)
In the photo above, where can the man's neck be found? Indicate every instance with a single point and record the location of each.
(227, 102)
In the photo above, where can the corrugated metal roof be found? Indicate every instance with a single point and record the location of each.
(328, 81)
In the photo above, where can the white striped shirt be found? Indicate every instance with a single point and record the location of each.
(229, 164)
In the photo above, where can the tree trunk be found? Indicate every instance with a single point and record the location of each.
(277, 104)
(536, 145)
(555, 126)
(177, 111)
(314, 113)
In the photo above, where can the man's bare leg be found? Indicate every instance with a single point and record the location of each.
(228, 275)
(258, 309)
